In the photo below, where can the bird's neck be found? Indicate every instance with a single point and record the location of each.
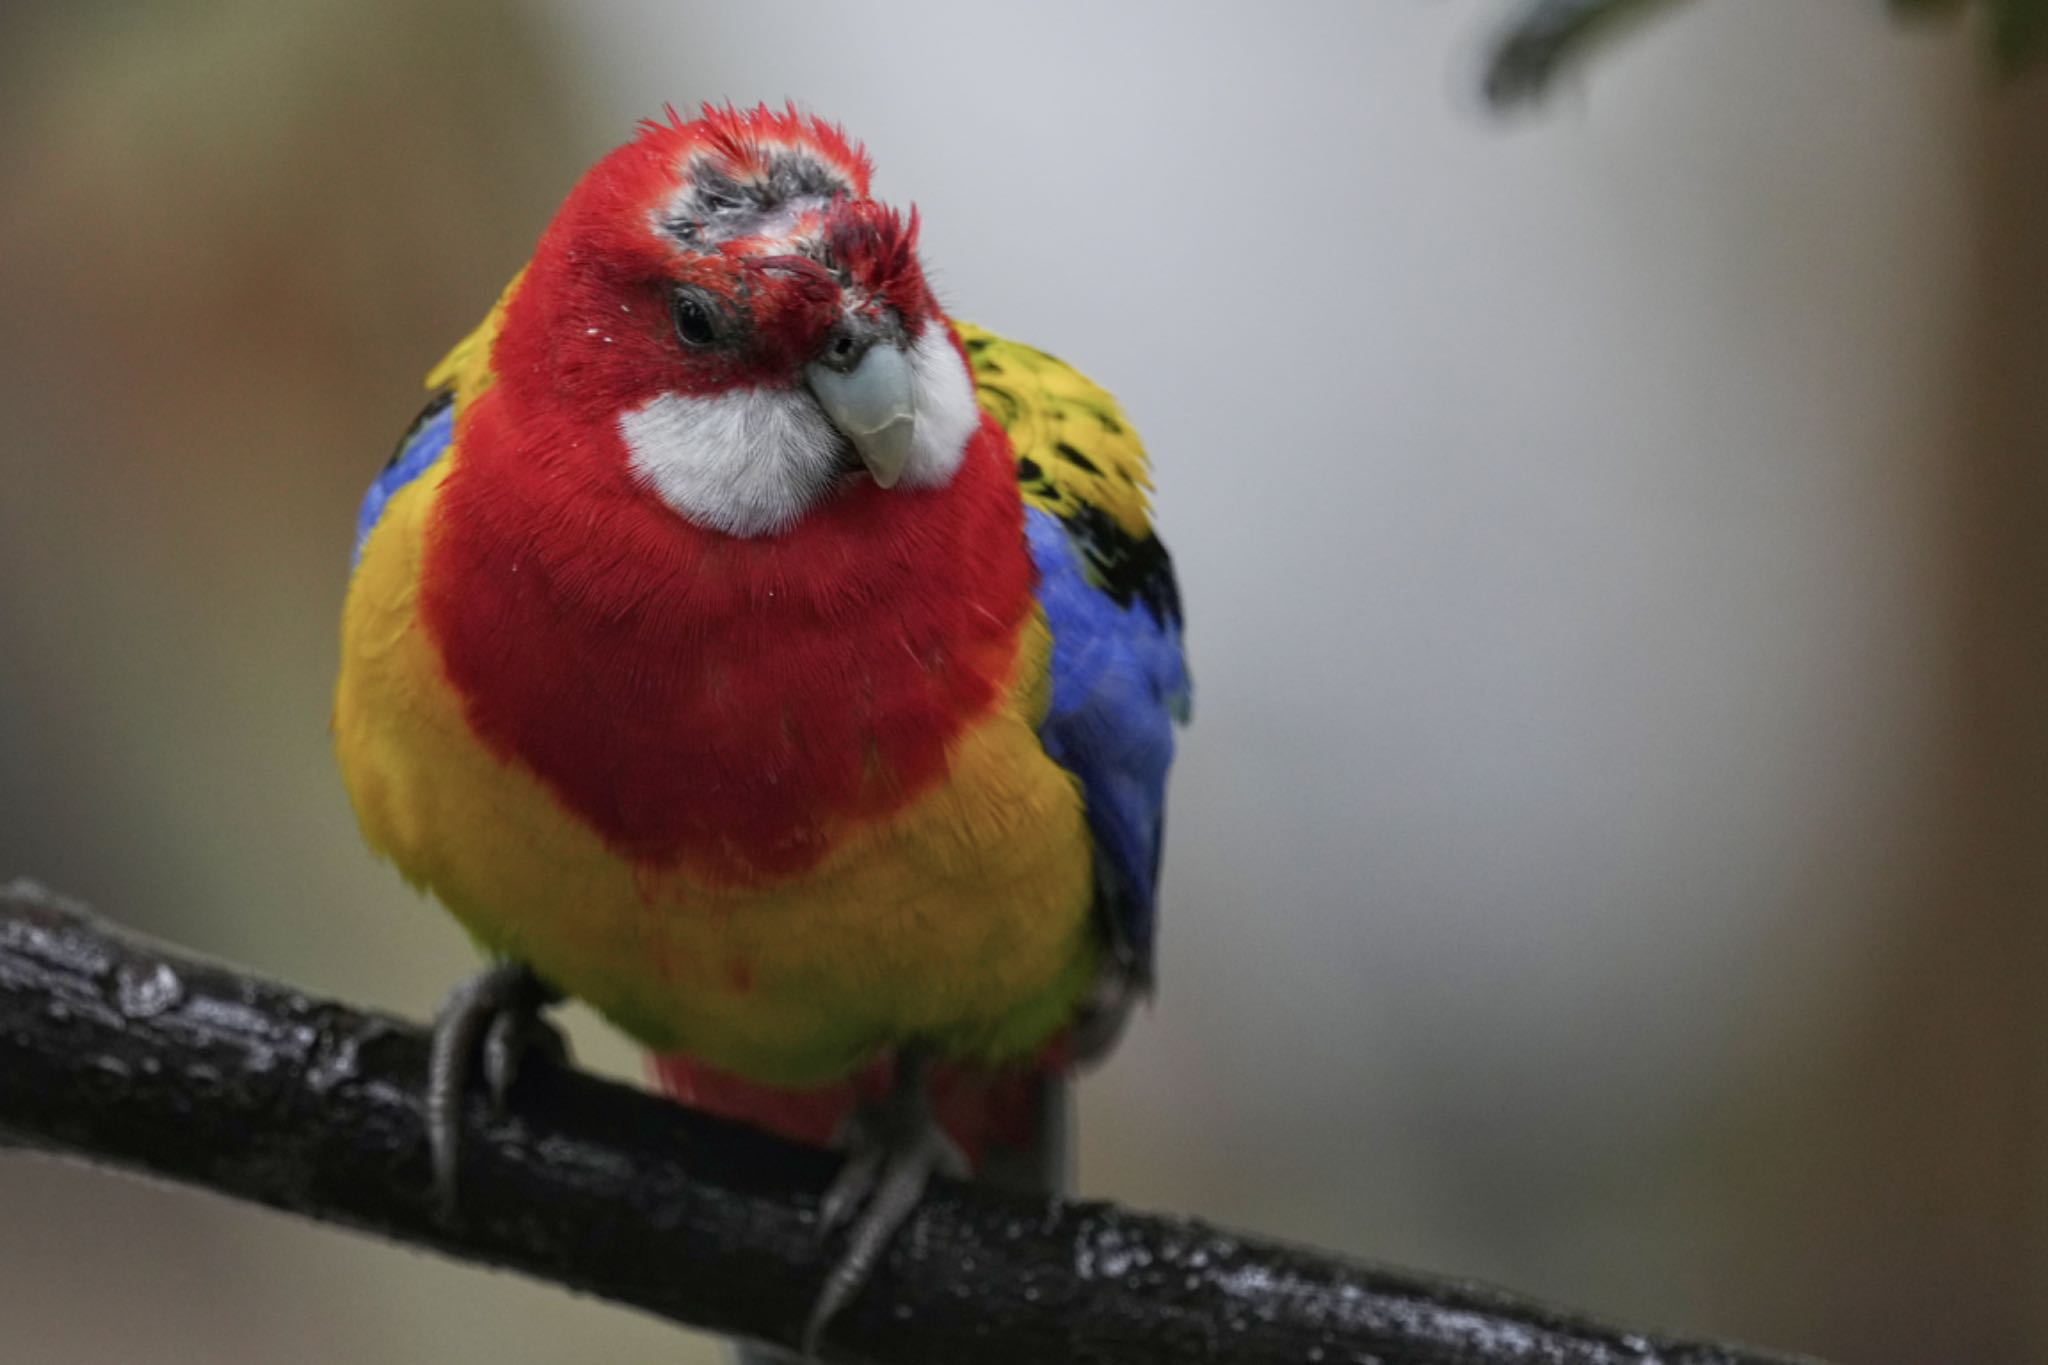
(727, 703)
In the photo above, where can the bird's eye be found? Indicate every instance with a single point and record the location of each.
(696, 322)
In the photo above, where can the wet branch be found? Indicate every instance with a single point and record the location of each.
(132, 1054)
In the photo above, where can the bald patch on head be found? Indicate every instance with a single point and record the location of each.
(719, 204)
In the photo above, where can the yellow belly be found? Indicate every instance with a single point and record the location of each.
(963, 920)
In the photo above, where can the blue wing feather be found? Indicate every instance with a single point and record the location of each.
(1119, 682)
(423, 443)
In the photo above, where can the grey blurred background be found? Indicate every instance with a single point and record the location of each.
(1607, 857)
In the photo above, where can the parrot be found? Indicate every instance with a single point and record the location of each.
(743, 646)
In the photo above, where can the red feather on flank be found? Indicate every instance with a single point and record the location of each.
(979, 1108)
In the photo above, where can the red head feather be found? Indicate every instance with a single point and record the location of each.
(747, 141)
(727, 203)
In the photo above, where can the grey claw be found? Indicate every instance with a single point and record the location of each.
(501, 1058)
(516, 1033)
(850, 1189)
(895, 1198)
(894, 1149)
(493, 1015)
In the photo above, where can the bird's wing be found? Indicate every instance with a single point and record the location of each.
(1119, 678)
(462, 374)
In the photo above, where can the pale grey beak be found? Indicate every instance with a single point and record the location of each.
(871, 404)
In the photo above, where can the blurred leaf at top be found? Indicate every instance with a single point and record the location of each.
(1547, 36)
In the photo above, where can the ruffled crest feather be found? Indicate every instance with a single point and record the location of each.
(745, 139)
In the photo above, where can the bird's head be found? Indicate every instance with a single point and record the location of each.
(723, 295)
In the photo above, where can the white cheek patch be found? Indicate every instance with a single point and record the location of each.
(748, 462)
(751, 461)
(942, 395)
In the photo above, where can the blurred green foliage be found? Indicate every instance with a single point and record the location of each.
(2017, 29)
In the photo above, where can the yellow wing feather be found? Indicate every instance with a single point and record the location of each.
(467, 366)
(1074, 445)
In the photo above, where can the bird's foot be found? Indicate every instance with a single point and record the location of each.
(893, 1149)
(493, 1017)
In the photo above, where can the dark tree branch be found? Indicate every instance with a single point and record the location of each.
(131, 1054)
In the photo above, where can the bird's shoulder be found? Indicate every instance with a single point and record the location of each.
(463, 374)
(1106, 586)
(1076, 450)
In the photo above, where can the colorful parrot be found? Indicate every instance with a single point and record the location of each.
(738, 644)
